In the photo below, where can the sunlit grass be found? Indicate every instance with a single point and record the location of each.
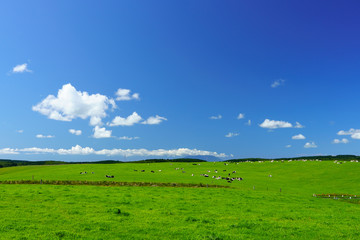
(240, 212)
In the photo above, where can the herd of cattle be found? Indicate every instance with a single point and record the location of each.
(229, 176)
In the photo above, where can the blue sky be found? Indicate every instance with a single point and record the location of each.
(141, 79)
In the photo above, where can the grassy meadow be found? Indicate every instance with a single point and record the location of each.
(254, 208)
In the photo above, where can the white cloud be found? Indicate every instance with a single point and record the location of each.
(310, 145)
(277, 83)
(129, 121)
(216, 117)
(230, 134)
(44, 136)
(75, 132)
(354, 133)
(273, 124)
(8, 151)
(135, 118)
(124, 95)
(288, 146)
(344, 140)
(154, 120)
(298, 137)
(20, 131)
(248, 122)
(298, 125)
(70, 104)
(128, 138)
(241, 116)
(101, 132)
(21, 68)
(78, 150)
(355, 136)
(350, 132)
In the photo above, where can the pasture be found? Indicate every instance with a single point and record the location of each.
(253, 208)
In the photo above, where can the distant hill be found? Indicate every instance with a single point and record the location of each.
(170, 160)
(11, 163)
(197, 158)
(207, 158)
(322, 158)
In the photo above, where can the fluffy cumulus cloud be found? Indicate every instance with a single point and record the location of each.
(310, 145)
(128, 121)
(231, 134)
(241, 116)
(344, 140)
(248, 122)
(78, 150)
(75, 132)
(8, 151)
(355, 136)
(21, 68)
(277, 83)
(273, 124)
(70, 104)
(288, 146)
(20, 131)
(44, 136)
(124, 95)
(135, 118)
(216, 117)
(354, 133)
(154, 120)
(298, 137)
(100, 132)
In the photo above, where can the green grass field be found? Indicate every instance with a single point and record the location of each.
(251, 209)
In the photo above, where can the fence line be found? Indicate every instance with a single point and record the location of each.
(112, 183)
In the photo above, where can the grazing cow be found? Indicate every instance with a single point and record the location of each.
(229, 181)
(192, 175)
(229, 174)
(142, 170)
(135, 170)
(205, 175)
(159, 170)
(153, 171)
(92, 172)
(224, 170)
(194, 164)
(234, 172)
(215, 171)
(183, 172)
(270, 175)
(81, 172)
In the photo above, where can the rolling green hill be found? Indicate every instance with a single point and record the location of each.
(273, 201)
